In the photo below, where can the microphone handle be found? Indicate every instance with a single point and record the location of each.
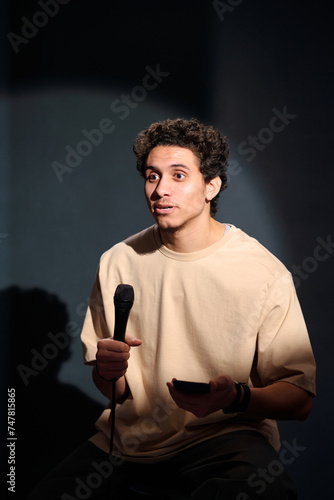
(121, 319)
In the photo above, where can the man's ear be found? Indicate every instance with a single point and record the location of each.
(213, 188)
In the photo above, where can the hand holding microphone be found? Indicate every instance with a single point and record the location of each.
(113, 354)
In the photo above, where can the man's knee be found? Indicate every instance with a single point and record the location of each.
(249, 480)
(278, 488)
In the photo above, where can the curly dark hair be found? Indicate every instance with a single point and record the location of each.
(204, 141)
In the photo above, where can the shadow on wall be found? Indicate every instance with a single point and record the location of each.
(51, 418)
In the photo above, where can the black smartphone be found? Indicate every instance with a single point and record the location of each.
(193, 387)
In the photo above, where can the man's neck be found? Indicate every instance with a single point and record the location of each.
(186, 240)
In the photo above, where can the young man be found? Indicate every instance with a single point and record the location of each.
(211, 305)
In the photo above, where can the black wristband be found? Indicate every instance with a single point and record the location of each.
(237, 406)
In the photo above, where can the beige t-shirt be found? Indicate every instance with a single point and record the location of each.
(228, 309)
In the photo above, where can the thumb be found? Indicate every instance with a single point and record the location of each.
(213, 385)
(132, 341)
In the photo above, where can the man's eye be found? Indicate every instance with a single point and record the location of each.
(179, 175)
(152, 177)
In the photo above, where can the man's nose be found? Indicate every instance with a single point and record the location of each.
(163, 187)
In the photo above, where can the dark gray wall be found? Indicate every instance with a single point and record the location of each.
(237, 66)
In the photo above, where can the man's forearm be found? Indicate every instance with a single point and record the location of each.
(106, 387)
(280, 401)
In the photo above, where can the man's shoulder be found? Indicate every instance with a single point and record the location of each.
(142, 242)
(255, 252)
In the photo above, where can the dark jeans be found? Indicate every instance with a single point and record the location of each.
(237, 466)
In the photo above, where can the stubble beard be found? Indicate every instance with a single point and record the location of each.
(169, 229)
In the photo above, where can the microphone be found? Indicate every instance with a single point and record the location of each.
(123, 301)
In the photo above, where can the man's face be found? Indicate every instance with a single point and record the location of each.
(175, 189)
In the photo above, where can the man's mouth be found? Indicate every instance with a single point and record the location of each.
(163, 209)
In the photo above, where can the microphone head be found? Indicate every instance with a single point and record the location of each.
(124, 293)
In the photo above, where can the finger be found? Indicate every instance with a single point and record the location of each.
(108, 374)
(112, 345)
(105, 356)
(223, 382)
(109, 370)
(194, 406)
